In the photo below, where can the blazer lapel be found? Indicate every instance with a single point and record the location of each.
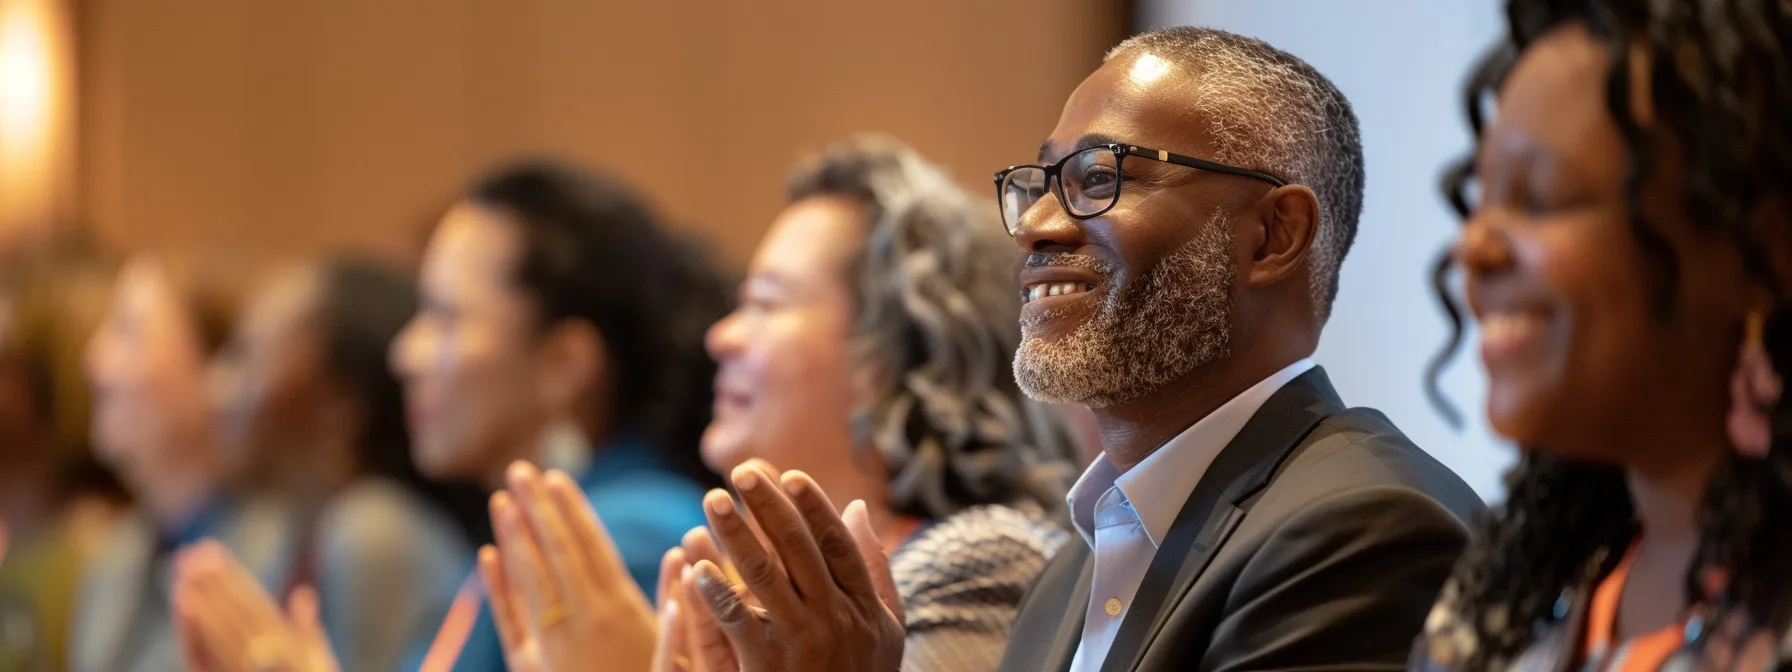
(1049, 625)
(1070, 630)
(1212, 511)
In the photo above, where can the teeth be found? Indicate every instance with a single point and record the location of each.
(1045, 289)
(1503, 327)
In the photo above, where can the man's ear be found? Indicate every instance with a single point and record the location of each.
(1290, 222)
(572, 357)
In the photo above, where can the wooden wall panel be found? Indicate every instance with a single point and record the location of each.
(270, 127)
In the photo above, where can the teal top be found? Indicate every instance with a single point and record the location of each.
(644, 505)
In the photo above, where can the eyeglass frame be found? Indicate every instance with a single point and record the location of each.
(1054, 181)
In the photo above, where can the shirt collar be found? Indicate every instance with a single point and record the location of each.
(1158, 486)
(1095, 481)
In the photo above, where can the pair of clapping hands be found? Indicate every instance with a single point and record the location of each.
(809, 589)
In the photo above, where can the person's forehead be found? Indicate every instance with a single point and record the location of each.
(472, 245)
(1134, 98)
(1552, 102)
(811, 237)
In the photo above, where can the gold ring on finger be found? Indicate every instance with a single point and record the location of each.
(551, 616)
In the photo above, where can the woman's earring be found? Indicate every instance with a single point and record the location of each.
(1754, 392)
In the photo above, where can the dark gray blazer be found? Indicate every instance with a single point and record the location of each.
(1317, 540)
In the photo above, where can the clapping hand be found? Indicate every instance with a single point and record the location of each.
(228, 623)
(820, 607)
(691, 640)
(560, 593)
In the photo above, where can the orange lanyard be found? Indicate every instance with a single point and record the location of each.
(456, 627)
(1645, 653)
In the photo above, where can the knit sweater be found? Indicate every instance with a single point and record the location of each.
(961, 580)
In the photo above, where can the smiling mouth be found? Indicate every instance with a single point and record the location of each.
(1506, 333)
(1040, 290)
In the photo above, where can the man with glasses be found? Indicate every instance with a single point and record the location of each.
(1182, 235)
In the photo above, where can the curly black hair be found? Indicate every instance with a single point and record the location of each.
(1720, 76)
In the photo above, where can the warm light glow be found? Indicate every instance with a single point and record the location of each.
(1147, 69)
(24, 70)
(36, 113)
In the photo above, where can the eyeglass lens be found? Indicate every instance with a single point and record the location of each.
(1090, 180)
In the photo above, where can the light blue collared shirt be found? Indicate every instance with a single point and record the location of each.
(1124, 517)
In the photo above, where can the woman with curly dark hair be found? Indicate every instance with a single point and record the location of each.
(1629, 261)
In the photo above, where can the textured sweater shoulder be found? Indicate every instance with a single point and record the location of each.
(962, 578)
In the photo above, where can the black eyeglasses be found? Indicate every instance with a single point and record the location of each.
(1088, 181)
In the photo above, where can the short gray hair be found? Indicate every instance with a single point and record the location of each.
(936, 329)
(1270, 111)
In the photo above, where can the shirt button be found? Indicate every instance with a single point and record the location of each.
(1113, 606)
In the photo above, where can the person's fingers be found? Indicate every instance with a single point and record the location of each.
(757, 569)
(302, 610)
(671, 570)
(764, 467)
(602, 563)
(194, 651)
(839, 550)
(553, 535)
(788, 533)
(505, 603)
(520, 559)
(699, 545)
(232, 598)
(731, 611)
(215, 639)
(771, 475)
(670, 654)
(711, 649)
(877, 561)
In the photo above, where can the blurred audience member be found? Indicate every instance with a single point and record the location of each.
(560, 324)
(872, 350)
(152, 424)
(307, 400)
(1629, 262)
(56, 502)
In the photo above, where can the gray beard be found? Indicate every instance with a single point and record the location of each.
(1177, 317)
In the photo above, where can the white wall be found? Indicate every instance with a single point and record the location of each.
(1401, 63)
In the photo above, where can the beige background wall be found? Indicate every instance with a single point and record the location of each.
(263, 127)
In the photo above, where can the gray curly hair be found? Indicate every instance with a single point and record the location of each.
(936, 331)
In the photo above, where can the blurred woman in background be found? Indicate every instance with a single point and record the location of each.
(1630, 264)
(872, 350)
(306, 399)
(56, 502)
(561, 324)
(152, 423)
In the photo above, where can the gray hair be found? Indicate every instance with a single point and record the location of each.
(936, 331)
(1270, 111)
